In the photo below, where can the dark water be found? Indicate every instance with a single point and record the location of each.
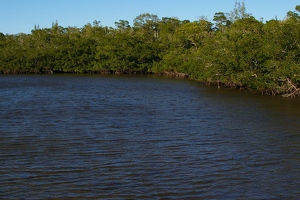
(138, 137)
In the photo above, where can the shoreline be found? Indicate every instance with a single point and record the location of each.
(295, 93)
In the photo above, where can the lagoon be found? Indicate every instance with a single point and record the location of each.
(144, 137)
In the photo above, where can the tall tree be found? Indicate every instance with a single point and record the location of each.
(221, 20)
(148, 23)
(238, 12)
(122, 25)
(293, 14)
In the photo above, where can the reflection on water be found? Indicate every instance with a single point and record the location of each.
(139, 137)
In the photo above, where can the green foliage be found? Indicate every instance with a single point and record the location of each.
(236, 51)
(221, 20)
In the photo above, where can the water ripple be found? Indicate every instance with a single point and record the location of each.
(103, 137)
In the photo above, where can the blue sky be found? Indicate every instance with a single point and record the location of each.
(21, 15)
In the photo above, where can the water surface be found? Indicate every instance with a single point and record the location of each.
(144, 137)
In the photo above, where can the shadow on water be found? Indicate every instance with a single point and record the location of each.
(277, 107)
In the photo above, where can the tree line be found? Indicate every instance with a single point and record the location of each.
(235, 50)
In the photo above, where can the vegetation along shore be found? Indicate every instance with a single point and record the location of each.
(235, 50)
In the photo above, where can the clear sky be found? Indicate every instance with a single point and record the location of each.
(21, 15)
